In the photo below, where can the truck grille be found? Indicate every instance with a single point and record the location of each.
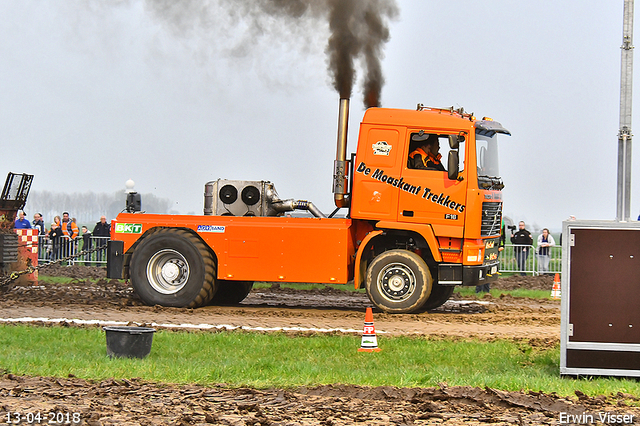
(491, 218)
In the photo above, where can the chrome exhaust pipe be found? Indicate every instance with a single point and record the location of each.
(340, 164)
(276, 205)
(291, 205)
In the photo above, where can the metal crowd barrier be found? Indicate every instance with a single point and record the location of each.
(531, 264)
(50, 250)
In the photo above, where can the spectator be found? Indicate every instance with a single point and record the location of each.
(522, 242)
(70, 231)
(86, 243)
(55, 235)
(21, 222)
(69, 227)
(101, 233)
(545, 242)
(38, 224)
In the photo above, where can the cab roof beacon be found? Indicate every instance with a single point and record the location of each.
(134, 203)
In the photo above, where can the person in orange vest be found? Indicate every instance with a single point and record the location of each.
(71, 231)
(69, 227)
(426, 156)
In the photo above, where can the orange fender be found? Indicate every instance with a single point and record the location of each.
(358, 273)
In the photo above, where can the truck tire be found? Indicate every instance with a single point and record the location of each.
(231, 292)
(172, 267)
(398, 281)
(439, 295)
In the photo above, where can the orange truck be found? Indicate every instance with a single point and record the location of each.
(410, 235)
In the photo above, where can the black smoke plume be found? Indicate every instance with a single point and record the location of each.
(358, 30)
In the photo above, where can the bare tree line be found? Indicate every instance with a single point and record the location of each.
(87, 207)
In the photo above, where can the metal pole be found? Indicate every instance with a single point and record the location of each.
(625, 135)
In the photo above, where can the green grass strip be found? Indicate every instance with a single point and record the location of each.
(281, 360)
(518, 292)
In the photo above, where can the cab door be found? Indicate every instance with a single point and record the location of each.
(429, 196)
(377, 166)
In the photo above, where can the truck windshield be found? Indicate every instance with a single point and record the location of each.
(487, 157)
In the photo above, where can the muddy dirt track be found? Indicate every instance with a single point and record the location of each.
(280, 308)
(137, 402)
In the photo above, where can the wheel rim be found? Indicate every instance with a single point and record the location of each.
(168, 271)
(396, 282)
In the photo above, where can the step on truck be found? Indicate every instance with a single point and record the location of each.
(407, 235)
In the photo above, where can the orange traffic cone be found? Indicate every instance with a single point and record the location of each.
(369, 339)
(556, 293)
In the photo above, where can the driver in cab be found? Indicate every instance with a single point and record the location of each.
(426, 156)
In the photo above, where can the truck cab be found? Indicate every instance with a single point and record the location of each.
(450, 215)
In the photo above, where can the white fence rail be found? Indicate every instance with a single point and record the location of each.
(526, 260)
(52, 249)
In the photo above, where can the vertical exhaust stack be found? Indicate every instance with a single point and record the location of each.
(340, 164)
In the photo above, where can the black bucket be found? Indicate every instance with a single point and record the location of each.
(129, 342)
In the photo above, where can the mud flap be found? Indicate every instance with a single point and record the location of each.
(115, 259)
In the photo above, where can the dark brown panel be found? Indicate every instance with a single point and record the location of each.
(604, 301)
(578, 358)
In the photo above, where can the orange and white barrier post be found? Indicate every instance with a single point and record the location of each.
(28, 252)
(369, 339)
(556, 292)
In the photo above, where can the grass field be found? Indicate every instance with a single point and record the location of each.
(280, 360)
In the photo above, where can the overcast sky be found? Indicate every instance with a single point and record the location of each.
(95, 93)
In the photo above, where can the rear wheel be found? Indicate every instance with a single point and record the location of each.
(439, 295)
(398, 281)
(231, 292)
(172, 267)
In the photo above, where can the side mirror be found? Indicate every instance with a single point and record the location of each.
(453, 168)
(454, 141)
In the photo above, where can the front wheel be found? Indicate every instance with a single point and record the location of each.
(439, 295)
(398, 281)
(173, 267)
